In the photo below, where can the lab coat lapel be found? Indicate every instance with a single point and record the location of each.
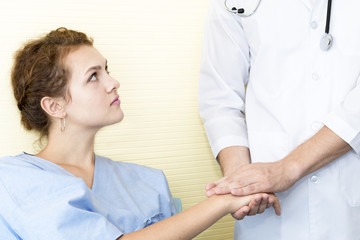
(309, 5)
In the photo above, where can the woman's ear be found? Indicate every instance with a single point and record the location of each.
(54, 107)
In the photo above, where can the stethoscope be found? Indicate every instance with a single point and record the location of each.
(326, 40)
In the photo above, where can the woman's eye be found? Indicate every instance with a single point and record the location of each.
(93, 77)
(107, 70)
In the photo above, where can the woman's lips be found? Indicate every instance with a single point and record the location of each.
(116, 101)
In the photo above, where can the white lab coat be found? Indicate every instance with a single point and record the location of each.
(293, 89)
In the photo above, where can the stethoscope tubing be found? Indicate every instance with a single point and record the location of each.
(328, 17)
(325, 42)
(241, 14)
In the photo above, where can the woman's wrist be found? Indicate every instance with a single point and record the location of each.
(228, 203)
(221, 202)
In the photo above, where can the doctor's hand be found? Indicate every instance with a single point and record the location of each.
(254, 178)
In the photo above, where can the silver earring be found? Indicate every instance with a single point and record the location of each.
(63, 124)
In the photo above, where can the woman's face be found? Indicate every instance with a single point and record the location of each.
(94, 100)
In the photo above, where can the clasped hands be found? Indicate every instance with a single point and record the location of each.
(262, 178)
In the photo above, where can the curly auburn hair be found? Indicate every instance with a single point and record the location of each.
(39, 71)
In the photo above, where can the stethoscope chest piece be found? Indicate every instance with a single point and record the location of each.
(326, 42)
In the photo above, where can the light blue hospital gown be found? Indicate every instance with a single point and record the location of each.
(40, 200)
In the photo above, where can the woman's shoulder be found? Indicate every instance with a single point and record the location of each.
(26, 162)
(5, 159)
(28, 179)
(15, 161)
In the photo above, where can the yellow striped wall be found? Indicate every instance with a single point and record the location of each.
(153, 49)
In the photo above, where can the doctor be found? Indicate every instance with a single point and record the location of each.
(279, 94)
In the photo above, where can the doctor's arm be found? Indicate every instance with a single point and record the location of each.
(189, 223)
(321, 149)
(340, 134)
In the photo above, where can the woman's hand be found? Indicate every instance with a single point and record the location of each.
(255, 204)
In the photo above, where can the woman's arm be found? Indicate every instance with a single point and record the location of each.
(191, 222)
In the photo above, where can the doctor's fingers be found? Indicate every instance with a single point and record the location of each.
(230, 186)
(230, 182)
(227, 184)
(252, 188)
(210, 189)
(234, 180)
(246, 175)
(222, 181)
(210, 186)
(218, 187)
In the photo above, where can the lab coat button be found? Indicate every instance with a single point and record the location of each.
(313, 25)
(315, 76)
(314, 179)
(316, 126)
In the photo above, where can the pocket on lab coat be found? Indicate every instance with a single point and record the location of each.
(267, 146)
(349, 178)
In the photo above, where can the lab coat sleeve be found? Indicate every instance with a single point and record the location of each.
(344, 119)
(224, 71)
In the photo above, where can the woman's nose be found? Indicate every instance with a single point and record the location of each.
(113, 84)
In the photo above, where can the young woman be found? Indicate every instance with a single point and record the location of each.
(64, 91)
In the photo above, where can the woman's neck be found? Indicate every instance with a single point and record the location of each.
(69, 148)
(72, 151)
